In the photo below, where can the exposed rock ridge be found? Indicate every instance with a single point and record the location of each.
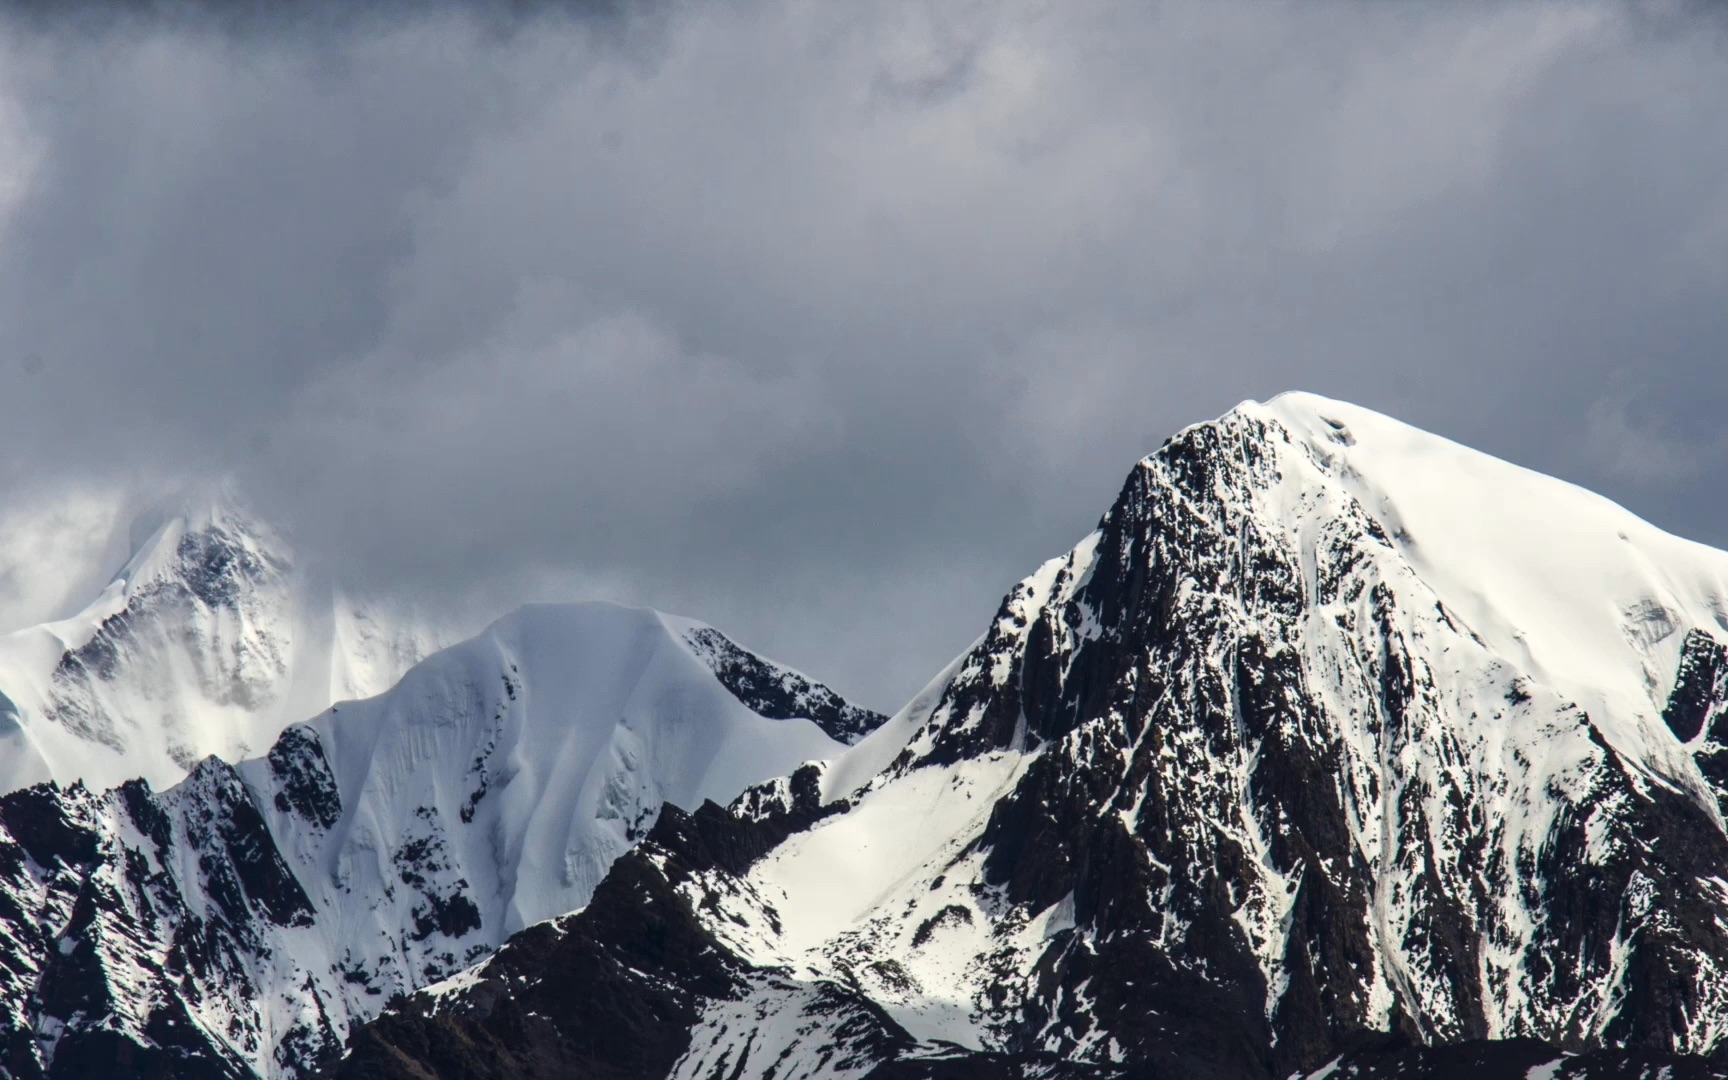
(780, 693)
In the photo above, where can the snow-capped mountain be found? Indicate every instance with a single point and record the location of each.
(1337, 748)
(239, 923)
(208, 640)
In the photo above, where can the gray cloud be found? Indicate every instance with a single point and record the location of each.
(827, 322)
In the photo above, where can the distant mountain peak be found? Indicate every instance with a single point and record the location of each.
(243, 920)
(208, 638)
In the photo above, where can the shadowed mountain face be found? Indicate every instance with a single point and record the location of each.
(1336, 749)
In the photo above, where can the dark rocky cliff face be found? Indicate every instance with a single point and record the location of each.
(778, 693)
(618, 991)
(112, 945)
(1291, 809)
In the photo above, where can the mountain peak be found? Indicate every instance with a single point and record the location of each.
(208, 638)
(385, 844)
(1333, 734)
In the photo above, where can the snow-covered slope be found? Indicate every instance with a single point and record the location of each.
(238, 923)
(208, 640)
(1334, 737)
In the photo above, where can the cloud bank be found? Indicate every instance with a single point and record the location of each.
(827, 322)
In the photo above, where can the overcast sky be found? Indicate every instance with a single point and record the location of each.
(825, 322)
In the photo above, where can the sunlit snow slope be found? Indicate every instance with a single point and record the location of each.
(238, 923)
(208, 640)
(1333, 731)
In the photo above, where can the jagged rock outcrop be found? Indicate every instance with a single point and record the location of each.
(780, 693)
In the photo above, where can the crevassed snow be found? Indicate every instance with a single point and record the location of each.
(510, 770)
(561, 730)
